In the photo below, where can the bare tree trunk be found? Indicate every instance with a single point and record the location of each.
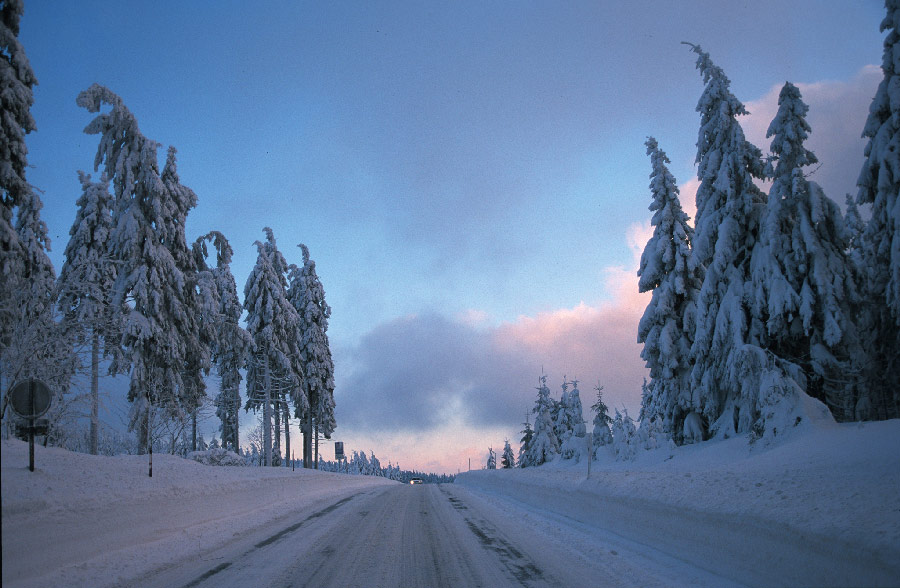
(287, 432)
(193, 432)
(235, 429)
(277, 449)
(143, 432)
(307, 441)
(317, 447)
(267, 415)
(95, 393)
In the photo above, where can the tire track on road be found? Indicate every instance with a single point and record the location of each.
(518, 565)
(269, 540)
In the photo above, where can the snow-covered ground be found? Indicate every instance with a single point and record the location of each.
(821, 507)
(82, 520)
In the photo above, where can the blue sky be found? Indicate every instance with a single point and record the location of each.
(470, 177)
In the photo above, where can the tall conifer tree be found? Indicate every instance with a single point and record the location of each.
(86, 284)
(162, 344)
(272, 323)
(729, 208)
(232, 341)
(307, 296)
(879, 187)
(804, 286)
(667, 327)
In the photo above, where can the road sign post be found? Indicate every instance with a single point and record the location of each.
(30, 399)
(590, 448)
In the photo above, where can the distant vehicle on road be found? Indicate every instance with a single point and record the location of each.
(415, 480)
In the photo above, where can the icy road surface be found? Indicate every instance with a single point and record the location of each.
(427, 536)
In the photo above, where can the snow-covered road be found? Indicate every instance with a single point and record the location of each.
(819, 508)
(427, 536)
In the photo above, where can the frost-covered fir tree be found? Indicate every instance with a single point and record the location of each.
(561, 413)
(508, 459)
(624, 436)
(667, 327)
(16, 121)
(492, 459)
(879, 187)
(163, 345)
(30, 342)
(575, 444)
(544, 444)
(601, 435)
(725, 377)
(272, 323)
(803, 283)
(307, 296)
(86, 284)
(232, 342)
(201, 304)
(40, 349)
(525, 445)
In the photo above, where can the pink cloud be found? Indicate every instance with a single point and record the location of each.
(433, 392)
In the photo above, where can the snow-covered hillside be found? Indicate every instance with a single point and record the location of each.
(821, 507)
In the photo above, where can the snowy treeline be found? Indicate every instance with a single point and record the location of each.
(769, 296)
(134, 295)
(559, 428)
(560, 432)
(361, 465)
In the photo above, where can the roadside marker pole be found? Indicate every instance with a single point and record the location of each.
(590, 443)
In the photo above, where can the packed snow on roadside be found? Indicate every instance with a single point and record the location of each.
(832, 489)
(83, 520)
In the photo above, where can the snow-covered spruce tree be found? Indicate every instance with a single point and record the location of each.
(667, 327)
(200, 301)
(601, 435)
(492, 459)
(624, 436)
(728, 369)
(525, 445)
(38, 347)
(163, 344)
(307, 295)
(30, 342)
(232, 342)
(562, 425)
(508, 459)
(575, 443)
(272, 324)
(17, 80)
(804, 286)
(544, 444)
(879, 187)
(86, 284)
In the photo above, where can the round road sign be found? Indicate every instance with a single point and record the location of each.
(30, 399)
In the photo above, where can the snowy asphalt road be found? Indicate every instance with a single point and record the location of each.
(394, 536)
(428, 536)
